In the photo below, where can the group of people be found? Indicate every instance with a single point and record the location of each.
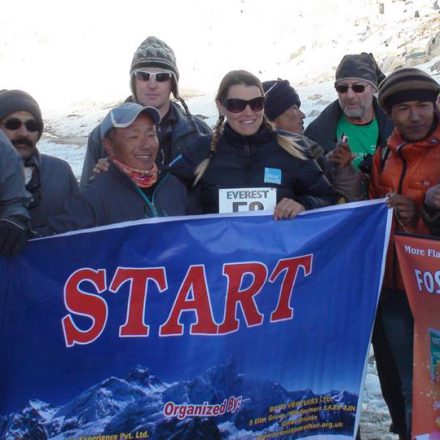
(151, 157)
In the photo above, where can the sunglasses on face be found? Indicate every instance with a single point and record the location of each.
(343, 88)
(142, 75)
(235, 105)
(14, 124)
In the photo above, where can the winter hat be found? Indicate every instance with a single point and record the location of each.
(407, 84)
(154, 52)
(280, 96)
(12, 101)
(362, 67)
(124, 115)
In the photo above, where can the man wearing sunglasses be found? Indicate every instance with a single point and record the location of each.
(49, 180)
(355, 115)
(153, 77)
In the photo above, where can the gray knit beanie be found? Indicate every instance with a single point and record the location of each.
(12, 101)
(154, 52)
(407, 84)
(362, 67)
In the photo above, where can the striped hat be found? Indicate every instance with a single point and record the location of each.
(407, 84)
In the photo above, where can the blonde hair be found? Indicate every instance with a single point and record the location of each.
(232, 78)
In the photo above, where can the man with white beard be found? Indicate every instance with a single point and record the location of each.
(355, 115)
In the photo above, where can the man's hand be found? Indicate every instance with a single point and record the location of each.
(404, 208)
(432, 197)
(101, 166)
(341, 155)
(13, 236)
(287, 208)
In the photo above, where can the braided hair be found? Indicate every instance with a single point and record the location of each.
(237, 77)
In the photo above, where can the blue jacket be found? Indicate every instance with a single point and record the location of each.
(184, 133)
(114, 198)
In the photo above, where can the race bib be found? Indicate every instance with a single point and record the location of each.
(246, 199)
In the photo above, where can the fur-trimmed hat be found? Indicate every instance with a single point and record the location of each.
(362, 67)
(12, 101)
(154, 52)
(280, 96)
(407, 84)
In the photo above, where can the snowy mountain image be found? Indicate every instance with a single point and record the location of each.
(136, 405)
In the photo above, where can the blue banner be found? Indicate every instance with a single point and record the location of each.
(210, 327)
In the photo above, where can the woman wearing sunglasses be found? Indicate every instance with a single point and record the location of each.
(245, 152)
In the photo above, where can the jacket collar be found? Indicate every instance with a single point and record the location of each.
(396, 142)
(235, 139)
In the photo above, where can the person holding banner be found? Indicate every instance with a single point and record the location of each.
(402, 172)
(134, 187)
(14, 217)
(247, 165)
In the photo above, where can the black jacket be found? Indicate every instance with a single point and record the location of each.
(240, 162)
(12, 191)
(52, 183)
(184, 133)
(114, 198)
(323, 129)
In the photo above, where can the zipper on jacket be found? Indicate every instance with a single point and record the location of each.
(152, 203)
(149, 203)
(247, 151)
(399, 191)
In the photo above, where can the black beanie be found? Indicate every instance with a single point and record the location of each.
(154, 52)
(362, 67)
(407, 84)
(280, 96)
(12, 101)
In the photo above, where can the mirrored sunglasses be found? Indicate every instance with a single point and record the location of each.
(15, 124)
(142, 75)
(343, 88)
(236, 105)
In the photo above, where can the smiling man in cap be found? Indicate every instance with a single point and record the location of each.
(134, 187)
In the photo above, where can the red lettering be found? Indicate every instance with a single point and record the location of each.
(86, 304)
(134, 324)
(194, 282)
(290, 266)
(235, 295)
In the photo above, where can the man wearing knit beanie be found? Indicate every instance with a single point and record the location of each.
(282, 106)
(153, 77)
(355, 115)
(403, 171)
(49, 180)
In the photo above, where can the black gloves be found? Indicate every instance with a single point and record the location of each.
(14, 233)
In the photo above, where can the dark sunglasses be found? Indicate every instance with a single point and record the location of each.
(142, 75)
(343, 88)
(15, 124)
(236, 105)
